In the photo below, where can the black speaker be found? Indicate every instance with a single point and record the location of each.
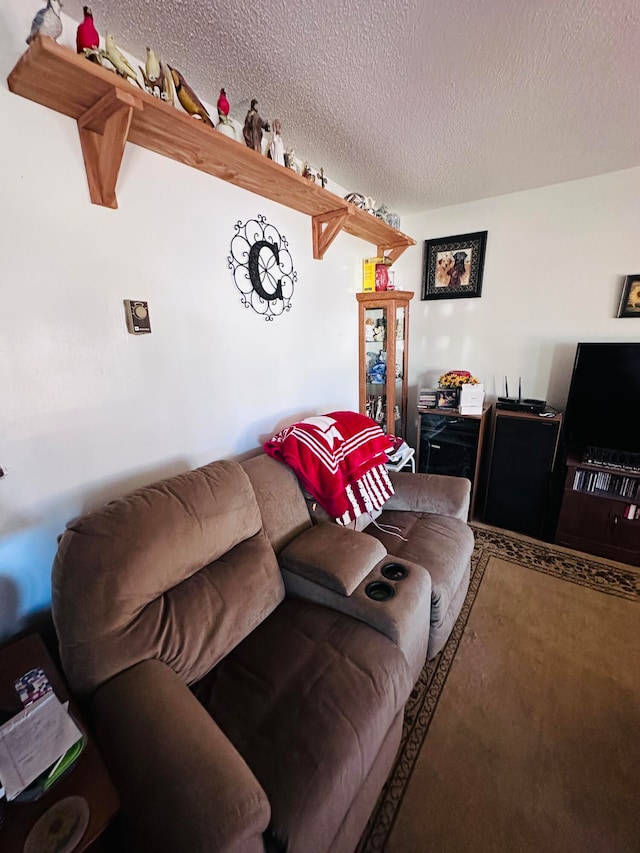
(520, 475)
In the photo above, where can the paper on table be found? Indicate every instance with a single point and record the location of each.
(32, 741)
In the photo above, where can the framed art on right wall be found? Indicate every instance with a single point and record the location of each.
(630, 299)
(453, 266)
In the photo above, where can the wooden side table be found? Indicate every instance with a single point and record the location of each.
(88, 778)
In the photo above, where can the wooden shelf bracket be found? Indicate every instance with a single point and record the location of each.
(103, 130)
(326, 227)
(393, 252)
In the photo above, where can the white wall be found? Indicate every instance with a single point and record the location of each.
(87, 411)
(555, 261)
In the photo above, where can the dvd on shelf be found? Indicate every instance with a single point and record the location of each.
(619, 485)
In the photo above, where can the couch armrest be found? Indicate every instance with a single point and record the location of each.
(334, 566)
(434, 493)
(182, 784)
(332, 556)
(404, 618)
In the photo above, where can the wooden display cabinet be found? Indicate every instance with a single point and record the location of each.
(595, 512)
(384, 359)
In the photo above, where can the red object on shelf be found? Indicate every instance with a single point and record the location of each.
(382, 276)
(87, 37)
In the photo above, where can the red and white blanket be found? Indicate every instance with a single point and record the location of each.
(340, 459)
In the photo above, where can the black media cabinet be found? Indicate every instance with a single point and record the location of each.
(451, 443)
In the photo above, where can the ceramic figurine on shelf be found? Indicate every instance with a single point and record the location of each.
(118, 60)
(153, 75)
(356, 198)
(290, 160)
(321, 178)
(369, 329)
(87, 37)
(276, 146)
(167, 83)
(253, 127)
(223, 106)
(188, 98)
(308, 173)
(369, 205)
(47, 22)
(226, 125)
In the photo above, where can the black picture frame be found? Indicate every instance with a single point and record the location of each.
(453, 266)
(447, 398)
(630, 298)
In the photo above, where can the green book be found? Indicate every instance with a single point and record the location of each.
(63, 764)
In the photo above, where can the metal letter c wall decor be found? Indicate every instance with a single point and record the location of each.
(262, 267)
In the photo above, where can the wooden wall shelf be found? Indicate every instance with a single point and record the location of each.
(111, 111)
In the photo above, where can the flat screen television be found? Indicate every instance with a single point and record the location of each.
(603, 407)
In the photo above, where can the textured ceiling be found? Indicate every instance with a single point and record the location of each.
(417, 104)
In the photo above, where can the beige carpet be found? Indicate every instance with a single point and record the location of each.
(524, 735)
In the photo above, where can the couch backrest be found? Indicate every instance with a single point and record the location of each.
(280, 498)
(180, 570)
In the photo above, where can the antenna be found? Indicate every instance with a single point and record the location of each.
(506, 387)
(519, 387)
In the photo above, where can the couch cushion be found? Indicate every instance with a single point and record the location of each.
(440, 543)
(307, 699)
(180, 571)
(282, 505)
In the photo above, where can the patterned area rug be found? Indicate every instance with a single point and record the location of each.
(603, 576)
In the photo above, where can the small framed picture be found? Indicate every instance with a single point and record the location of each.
(630, 299)
(447, 398)
(453, 266)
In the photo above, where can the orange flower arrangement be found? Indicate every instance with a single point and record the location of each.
(456, 379)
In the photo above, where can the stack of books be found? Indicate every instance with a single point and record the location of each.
(426, 398)
(471, 399)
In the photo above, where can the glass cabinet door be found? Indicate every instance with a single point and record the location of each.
(376, 359)
(400, 409)
(384, 323)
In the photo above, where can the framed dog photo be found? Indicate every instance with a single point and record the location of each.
(630, 299)
(453, 266)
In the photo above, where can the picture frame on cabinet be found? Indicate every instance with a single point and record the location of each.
(453, 266)
(630, 299)
(447, 398)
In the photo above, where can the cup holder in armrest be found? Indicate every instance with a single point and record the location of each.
(379, 591)
(394, 571)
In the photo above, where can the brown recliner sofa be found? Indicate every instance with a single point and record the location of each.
(238, 712)
(234, 717)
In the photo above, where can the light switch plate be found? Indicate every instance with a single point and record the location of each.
(137, 312)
